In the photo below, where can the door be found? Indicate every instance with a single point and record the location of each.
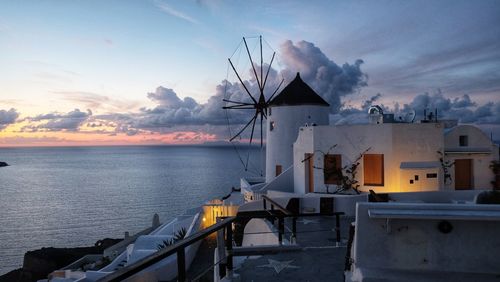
(278, 170)
(309, 172)
(463, 174)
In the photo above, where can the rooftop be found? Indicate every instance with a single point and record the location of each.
(318, 258)
(298, 93)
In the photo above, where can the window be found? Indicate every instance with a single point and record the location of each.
(432, 175)
(464, 140)
(332, 169)
(271, 126)
(373, 169)
(278, 170)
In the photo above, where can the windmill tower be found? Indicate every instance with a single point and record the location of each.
(297, 105)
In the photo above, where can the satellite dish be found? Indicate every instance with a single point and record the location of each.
(410, 117)
(376, 109)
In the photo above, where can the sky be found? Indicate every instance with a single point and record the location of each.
(155, 72)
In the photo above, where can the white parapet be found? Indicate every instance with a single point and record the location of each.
(426, 242)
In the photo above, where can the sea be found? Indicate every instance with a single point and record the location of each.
(75, 196)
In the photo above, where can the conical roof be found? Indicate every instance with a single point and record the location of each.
(298, 93)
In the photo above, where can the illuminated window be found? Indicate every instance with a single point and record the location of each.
(464, 140)
(332, 169)
(271, 126)
(373, 169)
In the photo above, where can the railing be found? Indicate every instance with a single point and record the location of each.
(178, 249)
(286, 213)
(225, 226)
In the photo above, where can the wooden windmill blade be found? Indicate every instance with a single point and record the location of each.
(256, 98)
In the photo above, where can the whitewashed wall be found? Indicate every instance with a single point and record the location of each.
(279, 141)
(397, 141)
(415, 249)
(478, 142)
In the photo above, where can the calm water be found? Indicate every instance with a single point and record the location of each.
(65, 197)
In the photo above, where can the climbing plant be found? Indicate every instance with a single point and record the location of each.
(495, 167)
(345, 176)
(445, 165)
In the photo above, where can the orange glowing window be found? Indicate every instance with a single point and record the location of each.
(373, 169)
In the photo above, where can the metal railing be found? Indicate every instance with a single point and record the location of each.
(286, 213)
(177, 248)
(225, 238)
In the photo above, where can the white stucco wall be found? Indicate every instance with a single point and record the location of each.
(304, 144)
(287, 121)
(398, 142)
(480, 150)
(383, 247)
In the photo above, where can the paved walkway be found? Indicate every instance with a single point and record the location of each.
(318, 260)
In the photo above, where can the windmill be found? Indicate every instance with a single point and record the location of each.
(258, 93)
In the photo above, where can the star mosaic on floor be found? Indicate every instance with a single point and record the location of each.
(279, 265)
(307, 221)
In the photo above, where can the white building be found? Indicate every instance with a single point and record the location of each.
(297, 105)
(385, 155)
(394, 157)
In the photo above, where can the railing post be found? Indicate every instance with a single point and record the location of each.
(264, 203)
(272, 211)
(221, 250)
(181, 265)
(229, 247)
(294, 229)
(281, 229)
(337, 228)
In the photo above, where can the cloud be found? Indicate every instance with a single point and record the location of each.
(23, 140)
(366, 104)
(55, 121)
(98, 101)
(168, 98)
(8, 117)
(328, 79)
(173, 12)
(108, 41)
(460, 68)
(463, 109)
(172, 112)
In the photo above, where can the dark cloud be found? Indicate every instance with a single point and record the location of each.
(463, 109)
(70, 121)
(328, 79)
(8, 117)
(366, 104)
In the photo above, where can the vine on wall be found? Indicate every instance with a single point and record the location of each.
(445, 165)
(345, 175)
